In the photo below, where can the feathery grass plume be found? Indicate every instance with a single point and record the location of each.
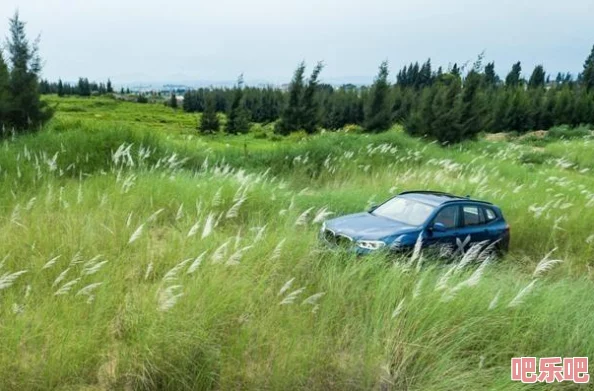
(79, 195)
(442, 283)
(149, 269)
(194, 229)
(94, 268)
(60, 277)
(31, 203)
(88, 289)
(519, 299)
(236, 257)
(291, 297)
(495, 300)
(8, 279)
(216, 200)
(136, 234)
(17, 308)
(196, 263)
(129, 219)
(313, 299)
(168, 297)
(3, 261)
(302, 219)
(154, 216)
(180, 212)
(76, 259)
(545, 264)
(321, 215)
(472, 254)
(474, 279)
(276, 253)
(398, 309)
(27, 291)
(260, 234)
(208, 226)
(171, 275)
(417, 249)
(220, 252)
(66, 287)
(418, 286)
(234, 210)
(590, 239)
(286, 286)
(237, 239)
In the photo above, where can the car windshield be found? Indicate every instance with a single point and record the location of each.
(405, 210)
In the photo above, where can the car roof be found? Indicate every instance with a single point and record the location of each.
(436, 198)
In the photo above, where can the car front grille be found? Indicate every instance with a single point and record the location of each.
(337, 239)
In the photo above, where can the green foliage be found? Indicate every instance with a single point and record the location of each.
(292, 114)
(23, 110)
(239, 118)
(311, 105)
(537, 79)
(209, 121)
(514, 77)
(173, 101)
(377, 113)
(588, 73)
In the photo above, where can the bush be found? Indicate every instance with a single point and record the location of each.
(566, 132)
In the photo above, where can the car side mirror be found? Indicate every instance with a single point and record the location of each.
(372, 208)
(439, 227)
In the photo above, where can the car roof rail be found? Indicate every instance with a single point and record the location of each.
(430, 192)
(454, 197)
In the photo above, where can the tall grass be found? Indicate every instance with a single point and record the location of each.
(134, 259)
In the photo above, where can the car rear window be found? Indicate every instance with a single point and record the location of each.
(473, 215)
(489, 214)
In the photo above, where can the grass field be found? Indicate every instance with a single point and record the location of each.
(136, 254)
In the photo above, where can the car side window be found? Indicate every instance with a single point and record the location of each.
(448, 216)
(489, 215)
(472, 215)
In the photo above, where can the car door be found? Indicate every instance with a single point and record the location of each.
(449, 216)
(473, 228)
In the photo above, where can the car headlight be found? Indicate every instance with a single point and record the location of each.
(371, 244)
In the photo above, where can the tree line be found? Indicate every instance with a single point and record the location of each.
(83, 88)
(448, 105)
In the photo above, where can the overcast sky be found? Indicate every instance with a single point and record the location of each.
(184, 40)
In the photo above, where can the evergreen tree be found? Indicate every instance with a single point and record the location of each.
(537, 79)
(311, 106)
(588, 74)
(238, 120)
(109, 87)
(455, 70)
(4, 94)
(84, 87)
(173, 100)
(60, 88)
(26, 110)
(291, 116)
(209, 123)
(491, 78)
(513, 78)
(122, 92)
(377, 114)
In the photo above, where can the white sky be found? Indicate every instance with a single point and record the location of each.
(188, 40)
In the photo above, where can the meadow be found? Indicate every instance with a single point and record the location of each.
(136, 254)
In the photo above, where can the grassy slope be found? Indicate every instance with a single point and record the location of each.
(228, 330)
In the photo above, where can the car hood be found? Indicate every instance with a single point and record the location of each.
(368, 226)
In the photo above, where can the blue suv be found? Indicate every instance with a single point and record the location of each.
(443, 219)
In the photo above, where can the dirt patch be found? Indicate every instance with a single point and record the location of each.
(502, 136)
